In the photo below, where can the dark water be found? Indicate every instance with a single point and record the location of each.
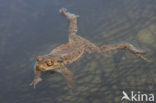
(30, 28)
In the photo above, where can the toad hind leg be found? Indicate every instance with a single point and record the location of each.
(129, 47)
(73, 23)
(111, 47)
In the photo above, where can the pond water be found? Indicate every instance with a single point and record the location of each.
(30, 28)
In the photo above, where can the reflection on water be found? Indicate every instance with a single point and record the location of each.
(33, 27)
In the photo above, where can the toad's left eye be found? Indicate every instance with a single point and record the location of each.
(49, 62)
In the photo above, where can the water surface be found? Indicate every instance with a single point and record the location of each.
(30, 28)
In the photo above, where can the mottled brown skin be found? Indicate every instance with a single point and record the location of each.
(72, 51)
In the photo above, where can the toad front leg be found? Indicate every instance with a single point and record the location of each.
(69, 76)
(37, 78)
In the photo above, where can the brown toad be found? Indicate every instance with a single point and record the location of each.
(71, 51)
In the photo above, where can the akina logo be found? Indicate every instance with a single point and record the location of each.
(138, 96)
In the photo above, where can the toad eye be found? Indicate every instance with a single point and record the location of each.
(49, 62)
(39, 58)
